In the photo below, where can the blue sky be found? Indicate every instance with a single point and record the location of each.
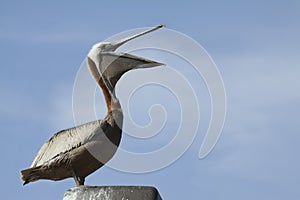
(254, 44)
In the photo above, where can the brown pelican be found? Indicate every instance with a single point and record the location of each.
(79, 151)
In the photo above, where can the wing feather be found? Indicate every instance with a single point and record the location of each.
(67, 140)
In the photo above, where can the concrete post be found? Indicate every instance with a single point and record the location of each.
(112, 193)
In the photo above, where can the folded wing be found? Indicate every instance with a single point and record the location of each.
(67, 140)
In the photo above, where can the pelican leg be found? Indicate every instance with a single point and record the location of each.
(78, 180)
(81, 180)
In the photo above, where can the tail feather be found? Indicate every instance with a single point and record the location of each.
(31, 174)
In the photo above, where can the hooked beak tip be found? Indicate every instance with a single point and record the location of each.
(160, 64)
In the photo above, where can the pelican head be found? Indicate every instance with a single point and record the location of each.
(108, 65)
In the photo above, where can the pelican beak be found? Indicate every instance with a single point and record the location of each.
(119, 43)
(116, 64)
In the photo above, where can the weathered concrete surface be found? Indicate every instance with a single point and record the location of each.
(112, 193)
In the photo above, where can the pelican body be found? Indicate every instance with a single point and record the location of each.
(79, 151)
